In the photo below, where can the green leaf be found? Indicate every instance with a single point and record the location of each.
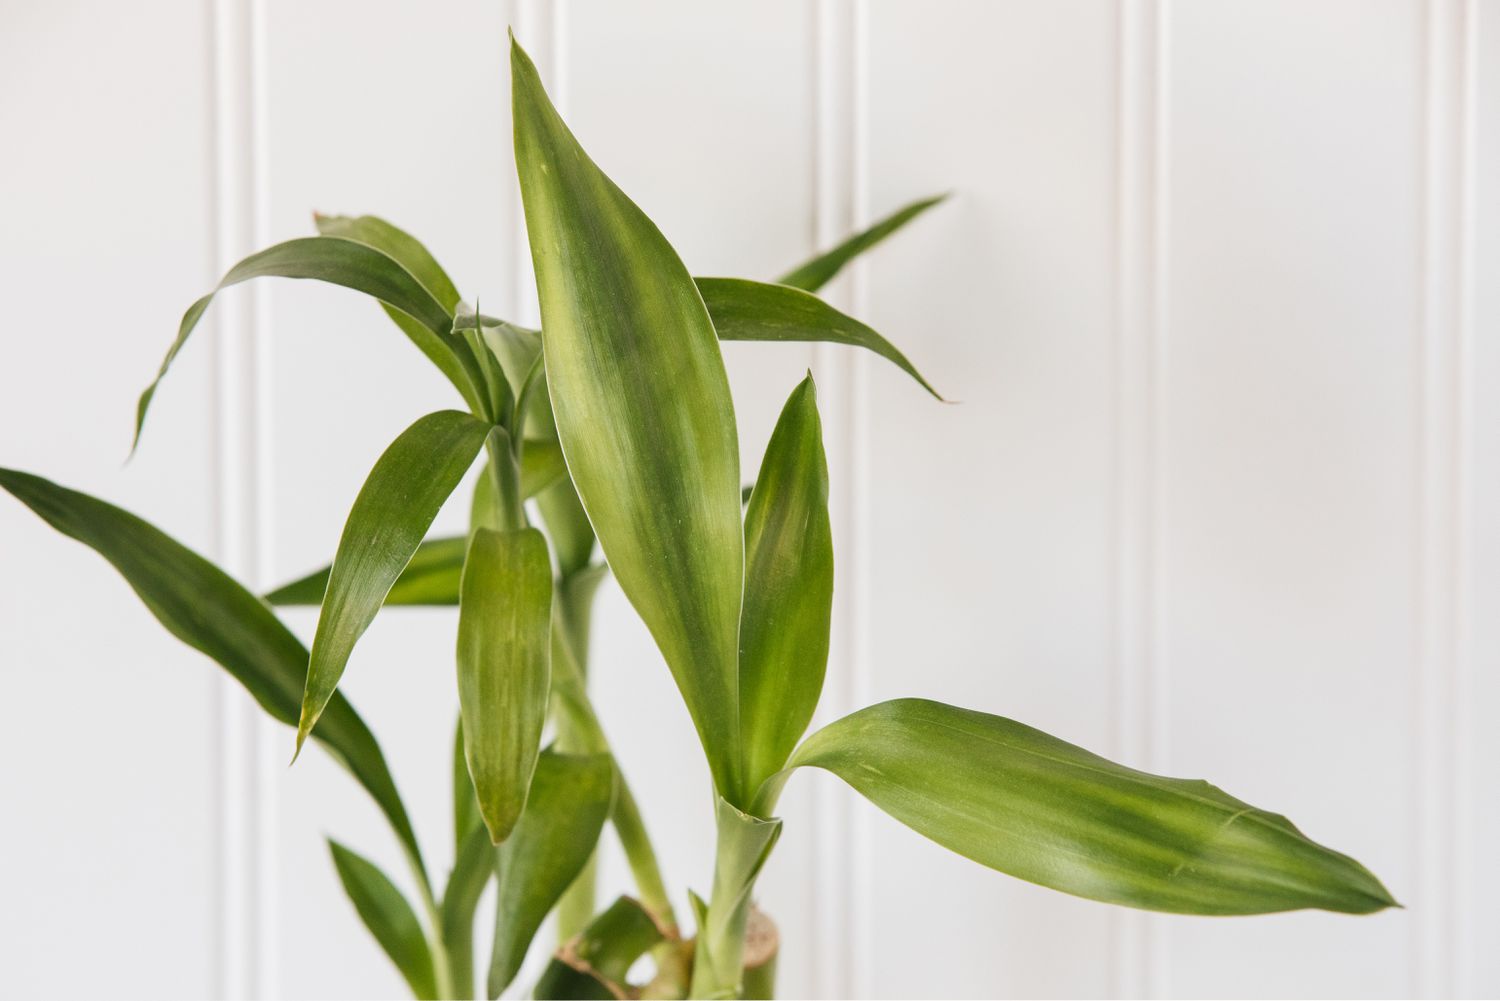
(1017, 800)
(504, 667)
(595, 964)
(431, 578)
(465, 800)
(397, 244)
(744, 310)
(394, 508)
(819, 271)
(472, 868)
(570, 798)
(567, 525)
(208, 610)
(389, 917)
(788, 589)
(353, 265)
(643, 411)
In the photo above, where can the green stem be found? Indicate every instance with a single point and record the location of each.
(505, 468)
(441, 969)
(744, 842)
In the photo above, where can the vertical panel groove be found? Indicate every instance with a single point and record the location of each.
(1444, 395)
(1139, 669)
(246, 865)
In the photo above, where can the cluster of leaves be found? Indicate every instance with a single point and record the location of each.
(617, 424)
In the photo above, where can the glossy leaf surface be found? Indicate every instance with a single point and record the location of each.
(570, 799)
(814, 274)
(504, 667)
(337, 261)
(788, 588)
(1017, 800)
(643, 411)
(208, 610)
(744, 310)
(389, 918)
(393, 511)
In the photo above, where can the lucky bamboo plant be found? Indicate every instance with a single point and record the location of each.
(614, 422)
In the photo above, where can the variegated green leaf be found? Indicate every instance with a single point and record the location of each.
(394, 508)
(1017, 800)
(643, 411)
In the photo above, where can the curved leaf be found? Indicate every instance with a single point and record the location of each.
(394, 508)
(814, 274)
(504, 667)
(570, 798)
(472, 868)
(431, 578)
(744, 310)
(643, 411)
(1017, 800)
(397, 244)
(594, 964)
(788, 589)
(389, 918)
(337, 261)
(208, 610)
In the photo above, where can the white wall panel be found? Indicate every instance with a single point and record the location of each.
(1217, 292)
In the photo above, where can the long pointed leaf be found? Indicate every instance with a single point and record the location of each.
(208, 610)
(400, 246)
(570, 798)
(504, 667)
(744, 310)
(643, 410)
(343, 262)
(431, 578)
(788, 589)
(814, 274)
(1017, 800)
(389, 918)
(394, 508)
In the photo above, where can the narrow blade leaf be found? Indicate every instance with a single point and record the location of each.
(744, 310)
(394, 509)
(472, 868)
(788, 589)
(1017, 800)
(814, 274)
(337, 261)
(208, 610)
(643, 410)
(504, 667)
(389, 917)
(400, 246)
(570, 799)
(431, 578)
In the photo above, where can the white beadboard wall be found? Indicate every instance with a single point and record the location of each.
(1219, 288)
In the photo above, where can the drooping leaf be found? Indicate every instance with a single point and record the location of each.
(472, 868)
(814, 274)
(504, 667)
(389, 918)
(594, 964)
(397, 244)
(788, 589)
(1017, 800)
(570, 798)
(208, 610)
(394, 508)
(744, 310)
(351, 264)
(643, 411)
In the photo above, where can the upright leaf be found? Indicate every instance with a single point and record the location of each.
(351, 264)
(389, 918)
(570, 798)
(208, 610)
(1014, 799)
(788, 588)
(744, 310)
(643, 411)
(504, 667)
(465, 801)
(394, 508)
(814, 274)
(473, 866)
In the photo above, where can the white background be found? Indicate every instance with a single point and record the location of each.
(1217, 288)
